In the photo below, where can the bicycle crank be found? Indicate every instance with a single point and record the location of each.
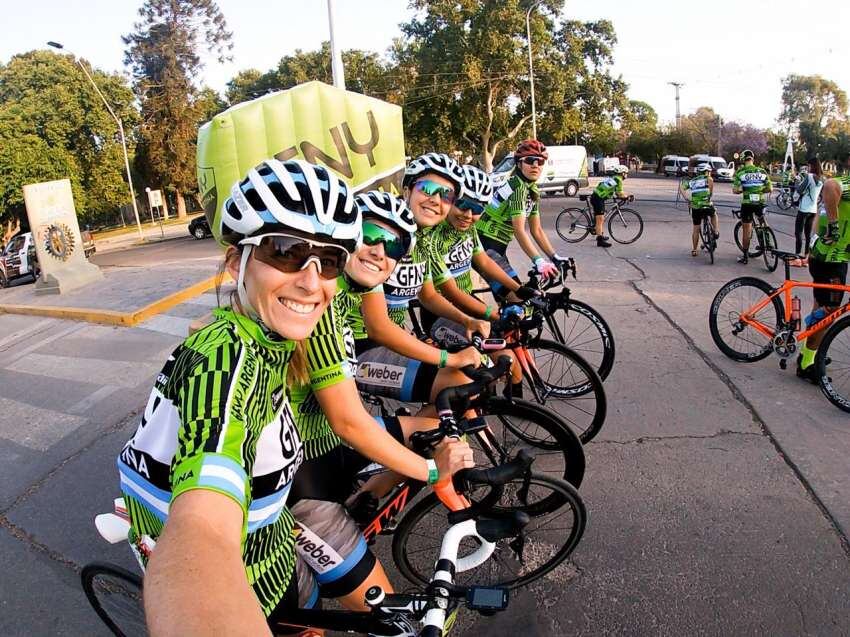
(784, 344)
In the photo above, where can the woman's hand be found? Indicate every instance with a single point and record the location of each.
(451, 456)
(464, 358)
(475, 325)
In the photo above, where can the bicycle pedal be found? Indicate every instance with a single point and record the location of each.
(783, 363)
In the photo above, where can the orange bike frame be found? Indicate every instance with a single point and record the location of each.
(785, 290)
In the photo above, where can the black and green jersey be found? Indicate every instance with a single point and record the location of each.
(609, 186)
(754, 183)
(349, 313)
(700, 191)
(516, 197)
(411, 273)
(454, 250)
(218, 419)
(837, 251)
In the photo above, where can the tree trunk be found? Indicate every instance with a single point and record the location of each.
(181, 206)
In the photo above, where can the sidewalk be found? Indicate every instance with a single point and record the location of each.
(150, 231)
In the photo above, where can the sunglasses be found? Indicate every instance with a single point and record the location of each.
(292, 254)
(395, 247)
(431, 188)
(533, 161)
(465, 205)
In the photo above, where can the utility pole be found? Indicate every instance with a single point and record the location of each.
(336, 55)
(531, 67)
(719, 134)
(678, 85)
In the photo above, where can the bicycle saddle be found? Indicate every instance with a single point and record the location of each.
(583, 197)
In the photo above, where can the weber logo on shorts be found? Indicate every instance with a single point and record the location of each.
(318, 554)
(381, 374)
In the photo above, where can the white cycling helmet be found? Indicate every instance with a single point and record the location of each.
(291, 196)
(391, 209)
(477, 184)
(701, 168)
(436, 163)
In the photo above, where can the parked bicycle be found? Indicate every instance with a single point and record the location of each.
(749, 319)
(762, 242)
(624, 224)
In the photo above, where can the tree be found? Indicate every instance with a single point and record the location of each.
(813, 99)
(162, 54)
(464, 66)
(738, 137)
(53, 125)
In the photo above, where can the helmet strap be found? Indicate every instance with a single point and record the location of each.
(241, 292)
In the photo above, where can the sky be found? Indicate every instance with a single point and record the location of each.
(730, 54)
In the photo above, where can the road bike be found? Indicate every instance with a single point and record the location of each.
(784, 197)
(571, 322)
(749, 319)
(500, 508)
(708, 239)
(574, 224)
(762, 241)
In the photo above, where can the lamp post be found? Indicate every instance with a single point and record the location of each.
(57, 45)
(531, 66)
(336, 56)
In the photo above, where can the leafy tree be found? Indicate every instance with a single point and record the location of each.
(812, 98)
(738, 137)
(53, 125)
(162, 54)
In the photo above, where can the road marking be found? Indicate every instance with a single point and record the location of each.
(20, 334)
(82, 407)
(166, 324)
(18, 354)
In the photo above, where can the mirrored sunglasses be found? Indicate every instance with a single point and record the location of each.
(533, 161)
(470, 205)
(395, 247)
(431, 188)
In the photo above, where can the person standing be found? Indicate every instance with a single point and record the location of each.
(809, 190)
(701, 188)
(753, 184)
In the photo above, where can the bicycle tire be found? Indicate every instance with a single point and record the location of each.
(833, 364)
(104, 584)
(425, 522)
(565, 224)
(558, 452)
(624, 221)
(568, 385)
(755, 248)
(758, 290)
(783, 201)
(594, 342)
(708, 240)
(769, 246)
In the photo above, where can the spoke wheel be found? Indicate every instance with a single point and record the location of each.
(768, 242)
(545, 543)
(739, 341)
(573, 224)
(581, 328)
(833, 364)
(708, 240)
(116, 596)
(755, 248)
(625, 226)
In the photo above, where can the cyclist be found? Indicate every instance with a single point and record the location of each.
(330, 404)
(753, 184)
(828, 261)
(391, 361)
(701, 189)
(609, 187)
(515, 212)
(208, 471)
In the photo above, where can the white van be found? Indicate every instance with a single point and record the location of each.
(565, 170)
(723, 170)
(674, 165)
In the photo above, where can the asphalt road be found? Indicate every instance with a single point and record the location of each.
(717, 491)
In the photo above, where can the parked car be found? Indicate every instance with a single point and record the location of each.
(721, 169)
(674, 165)
(18, 260)
(88, 243)
(565, 170)
(199, 227)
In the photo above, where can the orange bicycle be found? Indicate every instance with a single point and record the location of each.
(749, 319)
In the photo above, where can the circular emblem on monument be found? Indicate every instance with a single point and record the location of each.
(59, 241)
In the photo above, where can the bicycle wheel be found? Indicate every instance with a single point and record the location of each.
(625, 226)
(557, 450)
(755, 249)
(567, 384)
(708, 240)
(581, 328)
(768, 242)
(833, 364)
(573, 224)
(783, 201)
(739, 341)
(115, 594)
(545, 543)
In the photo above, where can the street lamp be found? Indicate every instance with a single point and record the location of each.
(531, 66)
(56, 45)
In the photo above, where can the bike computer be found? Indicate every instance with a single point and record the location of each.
(483, 598)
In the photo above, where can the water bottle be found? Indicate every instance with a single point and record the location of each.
(815, 316)
(795, 313)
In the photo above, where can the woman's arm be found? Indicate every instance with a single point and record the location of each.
(195, 582)
(540, 235)
(522, 237)
(490, 270)
(467, 303)
(434, 302)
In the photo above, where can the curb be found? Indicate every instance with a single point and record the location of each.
(111, 317)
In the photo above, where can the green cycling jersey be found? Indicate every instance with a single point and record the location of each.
(412, 272)
(218, 419)
(700, 188)
(835, 249)
(516, 197)
(754, 183)
(454, 250)
(609, 186)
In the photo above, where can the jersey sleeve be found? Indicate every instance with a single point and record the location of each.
(516, 202)
(686, 184)
(212, 448)
(618, 188)
(327, 363)
(736, 180)
(477, 248)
